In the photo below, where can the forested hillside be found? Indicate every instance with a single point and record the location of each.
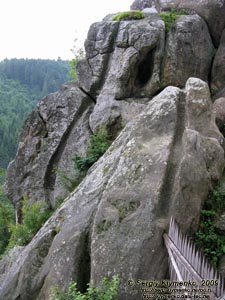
(22, 83)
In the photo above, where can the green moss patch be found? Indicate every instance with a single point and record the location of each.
(129, 15)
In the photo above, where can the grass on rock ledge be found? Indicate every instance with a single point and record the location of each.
(129, 15)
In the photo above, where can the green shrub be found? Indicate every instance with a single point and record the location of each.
(69, 183)
(106, 291)
(129, 15)
(78, 54)
(99, 143)
(170, 17)
(216, 200)
(7, 217)
(209, 238)
(34, 216)
(73, 64)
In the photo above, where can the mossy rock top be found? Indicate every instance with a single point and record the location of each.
(129, 15)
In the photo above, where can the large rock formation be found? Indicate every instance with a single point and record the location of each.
(52, 134)
(162, 163)
(212, 11)
(183, 56)
(126, 64)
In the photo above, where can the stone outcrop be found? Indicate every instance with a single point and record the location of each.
(128, 76)
(183, 56)
(150, 90)
(212, 11)
(98, 47)
(126, 64)
(143, 4)
(136, 60)
(52, 134)
(161, 164)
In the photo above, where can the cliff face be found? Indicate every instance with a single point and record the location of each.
(157, 85)
(52, 134)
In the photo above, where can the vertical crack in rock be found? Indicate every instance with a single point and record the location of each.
(50, 175)
(44, 123)
(166, 195)
(84, 264)
(32, 286)
(163, 61)
(87, 94)
(210, 75)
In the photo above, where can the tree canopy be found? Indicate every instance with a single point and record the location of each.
(22, 83)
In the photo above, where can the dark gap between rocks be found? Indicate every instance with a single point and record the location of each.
(145, 68)
(84, 267)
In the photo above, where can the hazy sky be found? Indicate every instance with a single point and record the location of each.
(47, 28)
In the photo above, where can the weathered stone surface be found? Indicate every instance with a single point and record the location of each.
(184, 57)
(8, 260)
(98, 46)
(132, 61)
(140, 47)
(219, 110)
(212, 11)
(126, 64)
(218, 68)
(160, 165)
(133, 71)
(142, 4)
(47, 136)
(202, 140)
(141, 64)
